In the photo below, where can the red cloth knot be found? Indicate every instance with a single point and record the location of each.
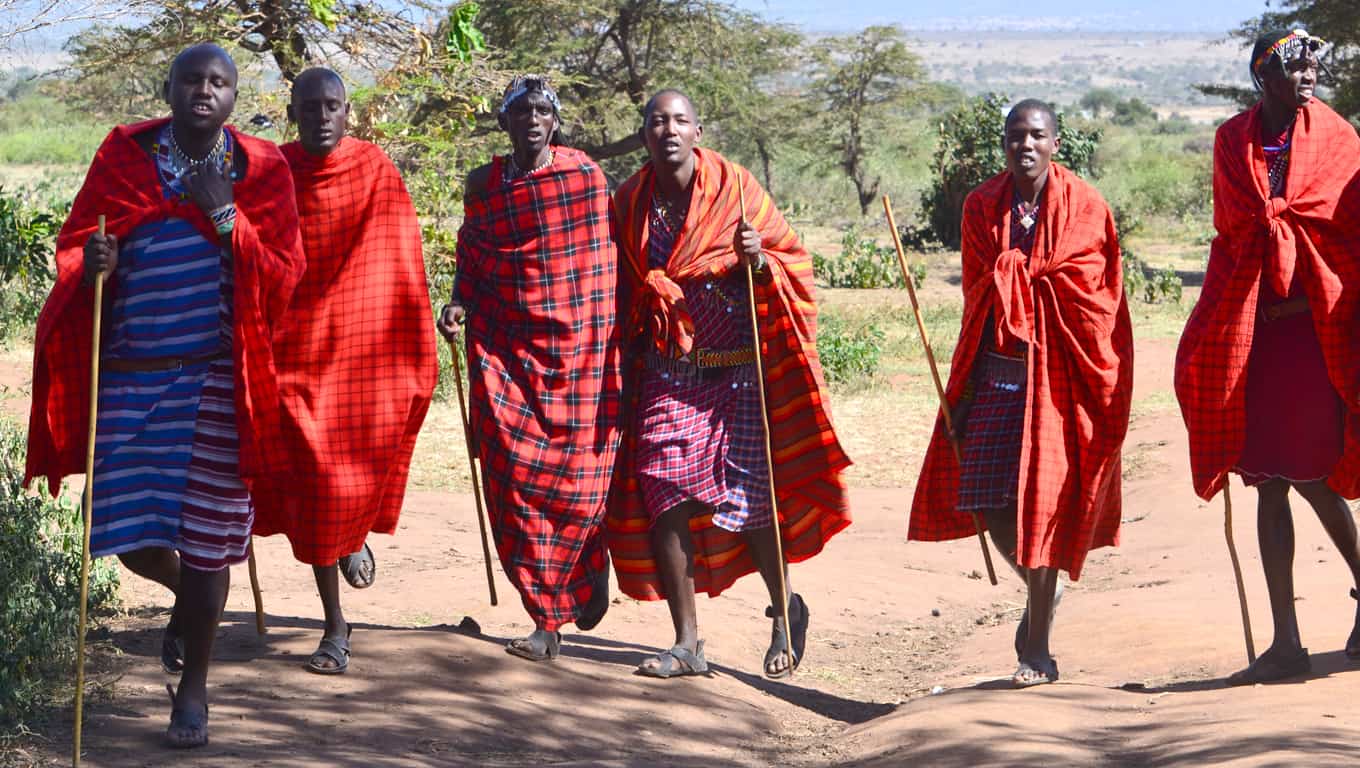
(1280, 269)
(1014, 315)
(670, 319)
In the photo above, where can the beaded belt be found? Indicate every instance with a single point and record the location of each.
(143, 365)
(702, 360)
(1284, 309)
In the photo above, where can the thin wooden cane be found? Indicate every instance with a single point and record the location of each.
(935, 374)
(765, 431)
(87, 509)
(1237, 573)
(260, 628)
(472, 470)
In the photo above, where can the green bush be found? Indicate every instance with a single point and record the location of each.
(40, 542)
(850, 354)
(26, 243)
(863, 263)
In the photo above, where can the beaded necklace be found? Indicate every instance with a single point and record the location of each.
(513, 171)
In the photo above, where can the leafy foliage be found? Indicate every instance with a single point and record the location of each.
(970, 152)
(40, 542)
(850, 354)
(863, 263)
(26, 238)
(611, 55)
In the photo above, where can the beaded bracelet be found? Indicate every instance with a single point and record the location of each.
(224, 218)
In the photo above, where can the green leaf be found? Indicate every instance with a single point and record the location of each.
(324, 12)
(464, 38)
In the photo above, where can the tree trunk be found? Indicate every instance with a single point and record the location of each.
(766, 164)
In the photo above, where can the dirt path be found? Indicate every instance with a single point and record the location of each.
(1143, 641)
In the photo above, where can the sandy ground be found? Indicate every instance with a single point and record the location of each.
(1144, 642)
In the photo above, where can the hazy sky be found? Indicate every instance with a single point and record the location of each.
(1196, 15)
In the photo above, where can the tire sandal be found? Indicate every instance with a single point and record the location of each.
(779, 642)
(335, 649)
(525, 647)
(677, 662)
(1027, 676)
(188, 728)
(172, 653)
(359, 568)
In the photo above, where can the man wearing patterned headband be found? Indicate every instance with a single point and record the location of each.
(202, 253)
(1268, 368)
(535, 283)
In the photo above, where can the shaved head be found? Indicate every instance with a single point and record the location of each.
(1034, 105)
(202, 52)
(669, 93)
(314, 80)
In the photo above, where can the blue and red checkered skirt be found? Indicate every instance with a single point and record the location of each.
(989, 473)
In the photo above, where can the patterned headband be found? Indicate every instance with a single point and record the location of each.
(524, 87)
(1288, 48)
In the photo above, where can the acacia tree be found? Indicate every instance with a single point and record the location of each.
(857, 82)
(611, 55)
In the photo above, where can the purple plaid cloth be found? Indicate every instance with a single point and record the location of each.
(990, 471)
(701, 438)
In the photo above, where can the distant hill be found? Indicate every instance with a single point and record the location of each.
(1156, 67)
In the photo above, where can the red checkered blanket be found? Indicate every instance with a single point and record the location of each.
(537, 272)
(1067, 301)
(267, 260)
(356, 355)
(1313, 230)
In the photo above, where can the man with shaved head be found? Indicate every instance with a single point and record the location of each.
(1041, 380)
(356, 359)
(690, 510)
(201, 254)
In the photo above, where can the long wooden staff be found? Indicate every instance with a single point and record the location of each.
(260, 628)
(765, 431)
(88, 509)
(1237, 572)
(472, 469)
(935, 374)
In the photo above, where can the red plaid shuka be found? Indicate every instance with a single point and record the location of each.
(356, 356)
(537, 272)
(267, 261)
(1313, 230)
(1066, 301)
(807, 456)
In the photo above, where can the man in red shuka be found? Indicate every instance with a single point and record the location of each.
(1268, 368)
(1041, 380)
(356, 360)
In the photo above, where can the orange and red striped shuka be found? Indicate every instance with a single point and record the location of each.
(808, 459)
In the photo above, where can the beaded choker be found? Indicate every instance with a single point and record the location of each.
(514, 171)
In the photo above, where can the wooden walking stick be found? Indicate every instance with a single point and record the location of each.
(765, 431)
(1237, 572)
(87, 510)
(935, 374)
(260, 628)
(472, 469)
